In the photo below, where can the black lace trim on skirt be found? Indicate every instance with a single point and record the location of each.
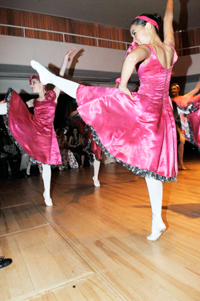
(87, 146)
(137, 171)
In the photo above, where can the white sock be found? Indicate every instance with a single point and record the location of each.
(28, 169)
(46, 176)
(3, 108)
(155, 190)
(67, 86)
(96, 172)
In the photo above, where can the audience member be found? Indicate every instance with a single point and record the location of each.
(13, 157)
(68, 158)
(76, 146)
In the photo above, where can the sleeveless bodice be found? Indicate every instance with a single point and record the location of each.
(154, 78)
(44, 111)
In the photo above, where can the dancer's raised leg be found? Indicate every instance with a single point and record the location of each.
(155, 194)
(96, 172)
(46, 77)
(3, 108)
(46, 176)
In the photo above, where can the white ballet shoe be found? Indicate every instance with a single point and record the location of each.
(46, 77)
(96, 182)
(47, 200)
(156, 232)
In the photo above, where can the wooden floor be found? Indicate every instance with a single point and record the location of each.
(91, 245)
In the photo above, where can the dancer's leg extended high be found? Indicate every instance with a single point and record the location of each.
(46, 77)
(46, 176)
(155, 189)
(3, 108)
(96, 173)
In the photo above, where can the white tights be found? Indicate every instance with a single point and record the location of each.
(46, 77)
(155, 190)
(46, 176)
(96, 172)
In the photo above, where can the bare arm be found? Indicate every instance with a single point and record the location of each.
(168, 23)
(64, 67)
(139, 54)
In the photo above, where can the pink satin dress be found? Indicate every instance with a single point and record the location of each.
(139, 133)
(34, 133)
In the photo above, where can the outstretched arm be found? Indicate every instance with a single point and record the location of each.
(168, 23)
(183, 101)
(194, 91)
(64, 67)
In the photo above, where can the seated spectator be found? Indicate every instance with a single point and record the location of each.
(13, 157)
(3, 166)
(68, 158)
(76, 146)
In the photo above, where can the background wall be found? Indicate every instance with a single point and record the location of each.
(25, 36)
(93, 65)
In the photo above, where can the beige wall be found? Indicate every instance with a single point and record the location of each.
(20, 51)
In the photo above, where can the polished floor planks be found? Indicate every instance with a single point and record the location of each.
(85, 289)
(104, 232)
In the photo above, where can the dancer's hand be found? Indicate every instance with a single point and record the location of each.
(70, 52)
(65, 61)
(127, 92)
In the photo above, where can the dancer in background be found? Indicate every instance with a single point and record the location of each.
(175, 89)
(188, 110)
(137, 128)
(90, 145)
(179, 103)
(35, 133)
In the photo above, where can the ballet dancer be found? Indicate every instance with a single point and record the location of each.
(136, 128)
(188, 110)
(35, 134)
(181, 102)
